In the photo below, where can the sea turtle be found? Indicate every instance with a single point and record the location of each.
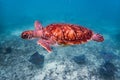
(60, 34)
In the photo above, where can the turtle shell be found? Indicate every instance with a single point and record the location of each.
(67, 34)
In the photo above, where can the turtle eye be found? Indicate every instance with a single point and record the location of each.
(25, 35)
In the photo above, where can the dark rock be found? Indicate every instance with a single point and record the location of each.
(0, 49)
(108, 56)
(81, 59)
(107, 70)
(8, 50)
(5, 50)
(37, 59)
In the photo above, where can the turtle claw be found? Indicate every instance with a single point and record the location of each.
(45, 44)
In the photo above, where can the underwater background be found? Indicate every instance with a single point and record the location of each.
(25, 60)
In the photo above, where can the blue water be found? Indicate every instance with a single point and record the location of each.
(101, 16)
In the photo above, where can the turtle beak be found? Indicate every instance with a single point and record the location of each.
(27, 34)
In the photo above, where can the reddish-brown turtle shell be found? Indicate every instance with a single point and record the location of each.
(67, 34)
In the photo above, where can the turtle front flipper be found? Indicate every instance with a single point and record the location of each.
(37, 25)
(45, 44)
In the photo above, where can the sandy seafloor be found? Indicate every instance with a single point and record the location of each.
(59, 65)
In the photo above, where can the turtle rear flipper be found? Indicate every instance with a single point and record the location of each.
(97, 37)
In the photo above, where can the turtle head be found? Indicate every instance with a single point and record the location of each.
(27, 34)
